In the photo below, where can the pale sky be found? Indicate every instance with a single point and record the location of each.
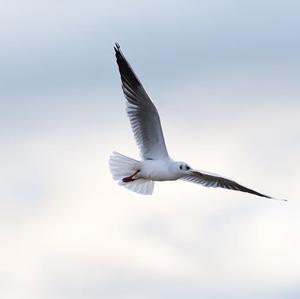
(224, 76)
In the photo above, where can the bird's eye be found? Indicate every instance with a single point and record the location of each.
(180, 167)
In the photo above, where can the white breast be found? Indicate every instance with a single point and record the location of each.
(158, 170)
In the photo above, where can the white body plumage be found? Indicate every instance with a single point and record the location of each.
(159, 170)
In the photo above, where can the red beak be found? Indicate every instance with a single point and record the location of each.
(196, 172)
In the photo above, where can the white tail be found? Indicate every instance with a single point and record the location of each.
(122, 167)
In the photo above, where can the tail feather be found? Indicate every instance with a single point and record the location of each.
(141, 186)
(122, 166)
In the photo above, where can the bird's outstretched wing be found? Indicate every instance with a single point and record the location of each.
(214, 180)
(143, 115)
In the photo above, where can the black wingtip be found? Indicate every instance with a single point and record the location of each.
(117, 47)
(280, 199)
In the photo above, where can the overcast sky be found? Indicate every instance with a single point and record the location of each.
(224, 76)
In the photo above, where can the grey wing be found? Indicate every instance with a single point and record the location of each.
(142, 113)
(213, 180)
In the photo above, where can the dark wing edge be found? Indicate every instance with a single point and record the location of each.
(141, 111)
(212, 180)
(130, 83)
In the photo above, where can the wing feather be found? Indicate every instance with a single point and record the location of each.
(142, 113)
(214, 180)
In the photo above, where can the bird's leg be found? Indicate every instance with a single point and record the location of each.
(130, 178)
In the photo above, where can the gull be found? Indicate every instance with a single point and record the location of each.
(155, 164)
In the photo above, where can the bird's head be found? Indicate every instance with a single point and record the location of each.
(183, 168)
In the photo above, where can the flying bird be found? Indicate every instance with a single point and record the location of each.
(156, 164)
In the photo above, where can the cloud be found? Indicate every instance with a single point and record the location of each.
(224, 76)
(70, 230)
(56, 46)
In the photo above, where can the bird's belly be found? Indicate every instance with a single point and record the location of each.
(157, 172)
(161, 176)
